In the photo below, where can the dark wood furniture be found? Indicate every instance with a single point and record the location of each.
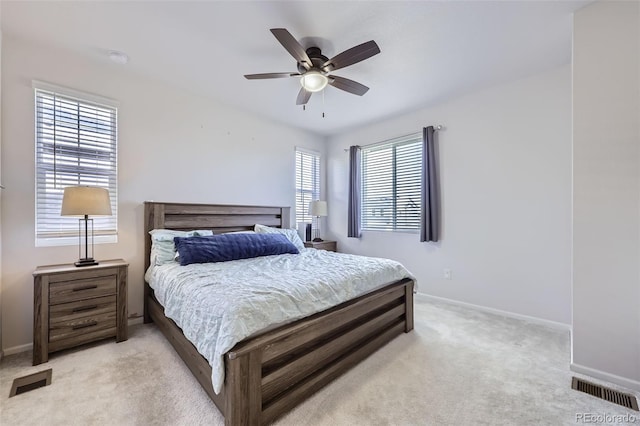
(322, 245)
(73, 306)
(267, 375)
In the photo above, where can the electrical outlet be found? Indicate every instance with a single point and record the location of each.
(447, 274)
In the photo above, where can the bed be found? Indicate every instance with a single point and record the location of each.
(270, 373)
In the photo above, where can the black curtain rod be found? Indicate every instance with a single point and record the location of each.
(436, 128)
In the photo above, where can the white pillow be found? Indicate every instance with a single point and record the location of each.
(163, 249)
(291, 234)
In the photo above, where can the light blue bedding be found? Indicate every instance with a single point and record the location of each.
(220, 304)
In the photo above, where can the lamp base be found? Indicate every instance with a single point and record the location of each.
(318, 240)
(86, 262)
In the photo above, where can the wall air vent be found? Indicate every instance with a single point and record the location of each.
(617, 397)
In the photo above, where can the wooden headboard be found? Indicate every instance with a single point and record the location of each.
(220, 218)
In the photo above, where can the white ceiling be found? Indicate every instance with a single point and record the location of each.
(431, 51)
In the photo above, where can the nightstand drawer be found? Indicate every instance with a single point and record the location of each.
(89, 307)
(82, 338)
(70, 331)
(70, 291)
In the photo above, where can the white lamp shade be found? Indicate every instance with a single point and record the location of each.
(318, 208)
(85, 200)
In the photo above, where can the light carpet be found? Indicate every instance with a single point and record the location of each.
(458, 367)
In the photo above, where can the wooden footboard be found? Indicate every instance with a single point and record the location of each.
(285, 366)
(268, 375)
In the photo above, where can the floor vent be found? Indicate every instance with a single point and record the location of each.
(30, 382)
(617, 397)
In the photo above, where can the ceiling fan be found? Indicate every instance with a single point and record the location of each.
(314, 67)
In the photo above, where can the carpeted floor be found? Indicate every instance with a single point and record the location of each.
(458, 367)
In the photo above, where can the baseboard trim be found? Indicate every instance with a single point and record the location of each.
(135, 320)
(533, 320)
(607, 377)
(18, 349)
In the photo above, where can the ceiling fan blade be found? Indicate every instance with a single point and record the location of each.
(270, 75)
(352, 56)
(303, 96)
(293, 47)
(348, 85)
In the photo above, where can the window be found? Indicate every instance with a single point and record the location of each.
(307, 184)
(76, 141)
(391, 179)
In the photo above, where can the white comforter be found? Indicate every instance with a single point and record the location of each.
(219, 304)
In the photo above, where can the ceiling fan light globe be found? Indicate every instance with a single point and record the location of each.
(313, 81)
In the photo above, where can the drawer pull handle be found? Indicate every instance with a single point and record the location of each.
(84, 308)
(85, 325)
(85, 287)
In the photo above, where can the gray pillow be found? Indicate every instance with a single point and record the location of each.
(291, 234)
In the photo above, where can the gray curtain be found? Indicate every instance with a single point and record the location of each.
(353, 221)
(429, 206)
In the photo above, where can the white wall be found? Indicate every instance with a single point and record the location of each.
(606, 196)
(173, 146)
(505, 160)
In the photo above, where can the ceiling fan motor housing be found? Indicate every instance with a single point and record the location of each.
(317, 59)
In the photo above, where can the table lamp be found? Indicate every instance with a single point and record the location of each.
(85, 201)
(317, 208)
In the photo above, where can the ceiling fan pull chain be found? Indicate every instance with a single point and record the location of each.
(323, 104)
(304, 107)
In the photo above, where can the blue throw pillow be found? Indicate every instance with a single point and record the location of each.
(225, 247)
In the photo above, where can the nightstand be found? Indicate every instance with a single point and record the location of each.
(322, 245)
(76, 305)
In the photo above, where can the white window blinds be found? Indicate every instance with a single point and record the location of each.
(391, 185)
(307, 184)
(76, 144)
